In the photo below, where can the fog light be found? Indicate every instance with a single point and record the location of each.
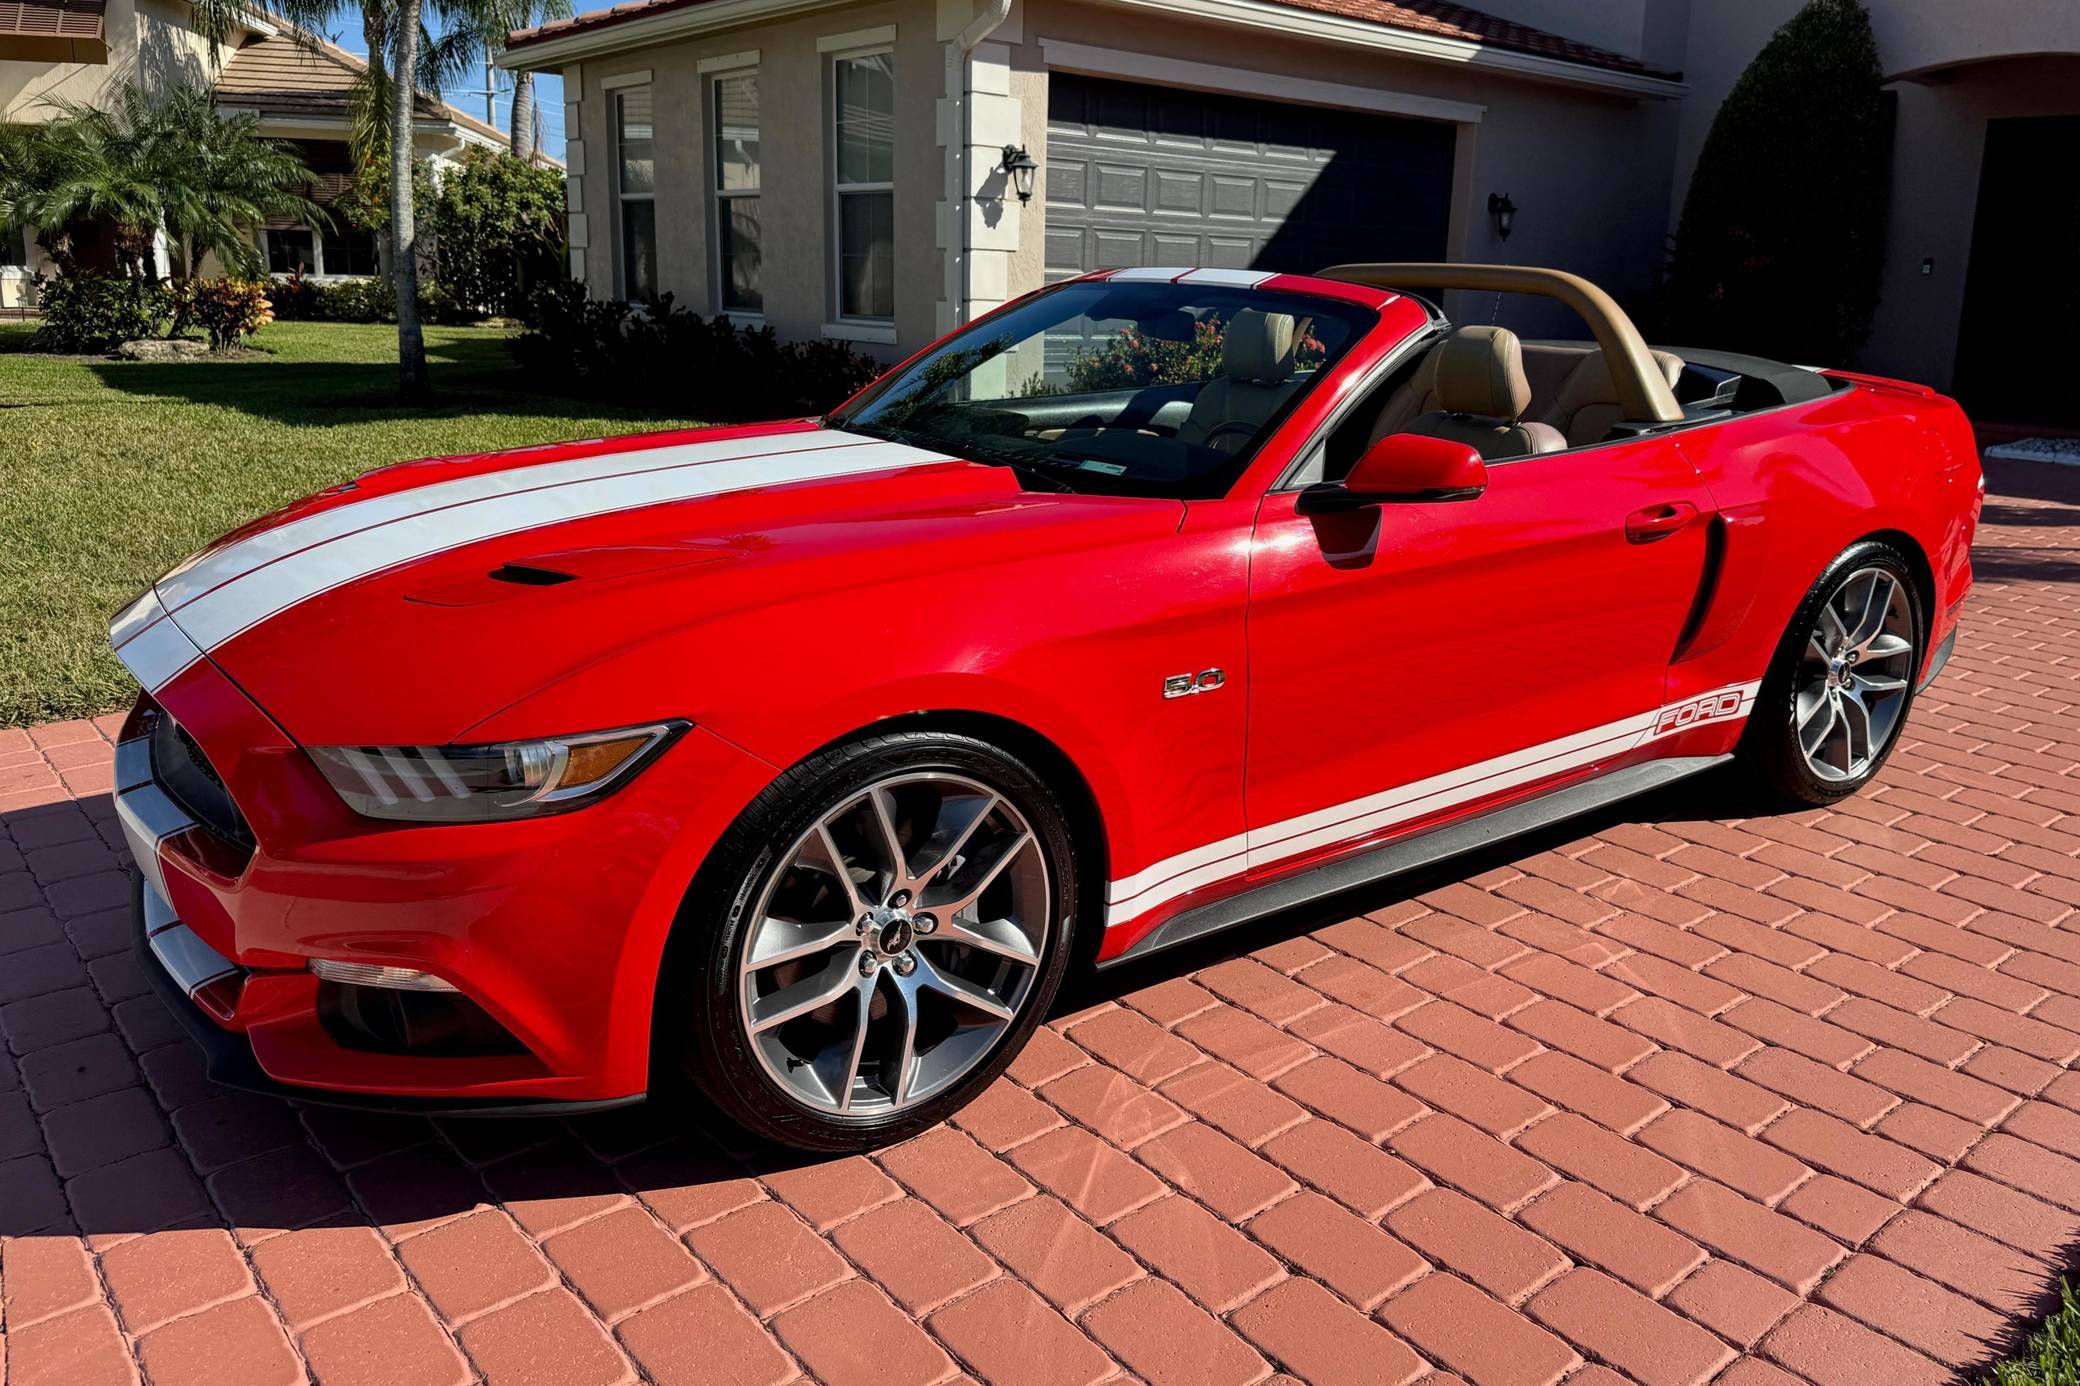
(372, 975)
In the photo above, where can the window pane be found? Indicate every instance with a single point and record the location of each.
(632, 142)
(866, 119)
(866, 255)
(288, 251)
(350, 252)
(14, 242)
(736, 133)
(741, 255)
(639, 250)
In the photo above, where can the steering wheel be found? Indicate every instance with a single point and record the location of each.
(1221, 430)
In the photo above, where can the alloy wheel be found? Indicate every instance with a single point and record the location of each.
(895, 945)
(1854, 675)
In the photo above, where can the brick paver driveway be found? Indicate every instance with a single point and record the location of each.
(1668, 1096)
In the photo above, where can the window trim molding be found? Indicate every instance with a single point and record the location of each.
(724, 63)
(638, 78)
(836, 49)
(713, 73)
(859, 43)
(618, 251)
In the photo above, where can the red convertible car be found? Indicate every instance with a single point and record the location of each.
(806, 758)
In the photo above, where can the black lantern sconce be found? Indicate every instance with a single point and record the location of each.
(1020, 168)
(1504, 211)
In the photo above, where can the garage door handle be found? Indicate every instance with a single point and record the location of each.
(1658, 521)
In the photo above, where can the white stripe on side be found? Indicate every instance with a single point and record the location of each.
(1166, 880)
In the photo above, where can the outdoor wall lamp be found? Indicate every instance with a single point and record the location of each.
(1504, 211)
(1020, 167)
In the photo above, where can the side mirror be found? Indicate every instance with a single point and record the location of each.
(1402, 468)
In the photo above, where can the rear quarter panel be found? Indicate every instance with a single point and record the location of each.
(1796, 486)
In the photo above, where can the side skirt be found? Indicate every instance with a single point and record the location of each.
(1408, 853)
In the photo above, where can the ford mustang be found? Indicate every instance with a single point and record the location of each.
(805, 759)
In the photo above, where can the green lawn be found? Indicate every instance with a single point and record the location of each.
(111, 472)
(2052, 1355)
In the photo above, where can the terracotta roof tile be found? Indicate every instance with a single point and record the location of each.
(1413, 16)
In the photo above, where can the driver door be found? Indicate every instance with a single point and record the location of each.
(1412, 660)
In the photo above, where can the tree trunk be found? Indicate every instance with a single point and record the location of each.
(404, 86)
(377, 43)
(523, 113)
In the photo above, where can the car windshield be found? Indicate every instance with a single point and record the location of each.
(1144, 388)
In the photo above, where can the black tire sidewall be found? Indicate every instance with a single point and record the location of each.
(1770, 744)
(698, 998)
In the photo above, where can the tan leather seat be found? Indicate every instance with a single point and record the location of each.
(1585, 407)
(1255, 381)
(1481, 396)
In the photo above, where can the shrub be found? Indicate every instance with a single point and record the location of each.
(229, 310)
(1134, 357)
(497, 225)
(91, 312)
(1777, 251)
(706, 366)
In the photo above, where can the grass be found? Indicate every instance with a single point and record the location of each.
(2052, 1355)
(112, 472)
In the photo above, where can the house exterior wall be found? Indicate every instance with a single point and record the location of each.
(1586, 168)
(795, 198)
(1954, 67)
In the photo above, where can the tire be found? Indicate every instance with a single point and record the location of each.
(770, 925)
(1814, 678)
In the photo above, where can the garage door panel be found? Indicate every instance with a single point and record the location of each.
(1120, 188)
(1180, 192)
(1146, 175)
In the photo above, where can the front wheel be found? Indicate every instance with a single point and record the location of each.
(1837, 694)
(876, 938)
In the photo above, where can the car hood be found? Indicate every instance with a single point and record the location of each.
(413, 603)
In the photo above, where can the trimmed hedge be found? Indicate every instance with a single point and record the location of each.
(1779, 247)
(708, 367)
(93, 312)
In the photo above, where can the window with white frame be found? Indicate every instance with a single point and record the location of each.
(289, 251)
(14, 245)
(863, 165)
(339, 253)
(738, 228)
(635, 189)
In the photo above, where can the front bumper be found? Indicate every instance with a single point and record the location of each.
(180, 967)
(551, 930)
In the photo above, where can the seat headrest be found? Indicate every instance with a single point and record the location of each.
(1258, 346)
(1480, 370)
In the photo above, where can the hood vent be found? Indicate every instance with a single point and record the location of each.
(527, 575)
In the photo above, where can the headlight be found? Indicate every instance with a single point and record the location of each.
(480, 784)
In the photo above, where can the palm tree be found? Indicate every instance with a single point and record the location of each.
(523, 14)
(208, 180)
(416, 61)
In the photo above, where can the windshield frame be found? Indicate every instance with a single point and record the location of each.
(1363, 318)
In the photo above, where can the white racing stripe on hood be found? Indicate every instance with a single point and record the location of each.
(190, 580)
(367, 537)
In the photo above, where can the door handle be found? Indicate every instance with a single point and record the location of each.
(1658, 521)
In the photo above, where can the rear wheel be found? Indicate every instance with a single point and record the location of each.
(876, 939)
(1835, 698)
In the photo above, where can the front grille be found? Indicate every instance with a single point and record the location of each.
(184, 772)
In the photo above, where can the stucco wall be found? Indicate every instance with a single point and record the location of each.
(794, 147)
(1963, 76)
(1587, 170)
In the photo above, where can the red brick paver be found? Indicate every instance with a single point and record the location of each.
(1668, 1097)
